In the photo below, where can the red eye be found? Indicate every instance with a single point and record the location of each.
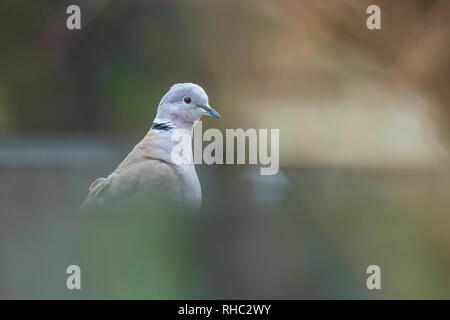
(187, 100)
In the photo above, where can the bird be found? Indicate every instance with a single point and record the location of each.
(150, 166)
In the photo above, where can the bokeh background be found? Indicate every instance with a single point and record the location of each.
(364, 148)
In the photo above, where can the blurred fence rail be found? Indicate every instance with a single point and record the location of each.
(56, 152)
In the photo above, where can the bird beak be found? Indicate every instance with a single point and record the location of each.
(210, 111)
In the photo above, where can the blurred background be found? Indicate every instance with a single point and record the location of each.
(364, 148)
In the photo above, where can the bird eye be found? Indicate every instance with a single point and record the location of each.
(187, 100)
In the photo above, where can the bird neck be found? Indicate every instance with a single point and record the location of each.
(161, 144)
(162, 123)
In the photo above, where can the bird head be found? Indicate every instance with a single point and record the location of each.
(185, 103)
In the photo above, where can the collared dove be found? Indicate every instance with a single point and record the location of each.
(149, 166)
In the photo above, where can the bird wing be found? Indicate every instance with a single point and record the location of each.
(145, 175)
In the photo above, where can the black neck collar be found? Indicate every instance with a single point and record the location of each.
(163, 126)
